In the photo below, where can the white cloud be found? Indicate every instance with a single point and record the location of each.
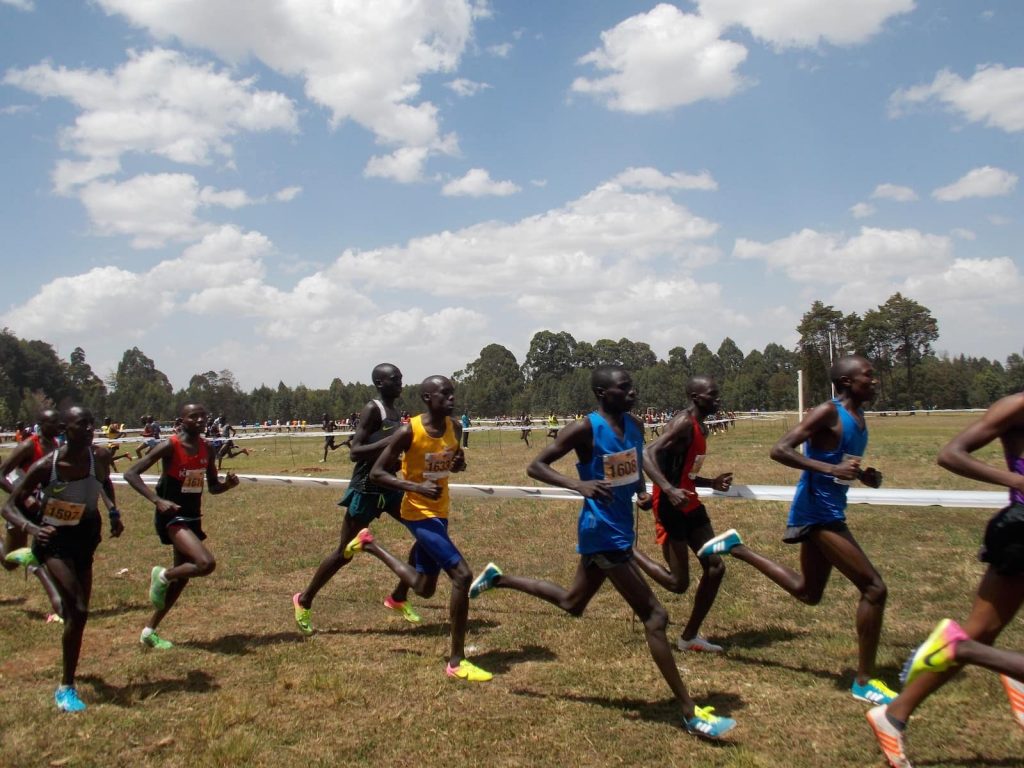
(806, 23)
(362, 61)
(464, 87)
(21, 5)
(157, 102)
(652, 178)
(999, 221)
(15, 109)
(478, 183)
(963, 234)
(862, 210)
(501, 50)
(287, 194)
(993, 95)
(810, 256)
(894, 192)
(222, 258)
(227, 198)
(661, 60)
(404, 165)
(979, 182)
(985, 280)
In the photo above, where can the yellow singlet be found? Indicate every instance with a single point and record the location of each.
(428, 458)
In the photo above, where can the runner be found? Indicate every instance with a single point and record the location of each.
(14, 549)
(71, 480)
(552, 426)
(608, 446)
(150, 436)
(364, 501)
(999, 595)
(186, 461)
(430, 450)
(112, 432)
(328, 426)
(835, 436)
(527, 425)
(673, 462)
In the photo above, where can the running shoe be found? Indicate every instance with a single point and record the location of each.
(402, 607)
(722, 544)
(485, 580)
(1015, 690)
(54, 618)
(873, 692)
(302, 616)
(153, 640)
(698, 643)
(890, 738)
(362, 538)
(158, 587)
(469, 672)
(22, 557)
(710, 726)
(937, 653)
(67, 699)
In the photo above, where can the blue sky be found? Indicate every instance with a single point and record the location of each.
(300, 190)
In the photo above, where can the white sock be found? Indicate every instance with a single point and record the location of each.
(162, 576)
(147, 631)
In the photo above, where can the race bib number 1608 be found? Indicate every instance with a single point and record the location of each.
(622, 468)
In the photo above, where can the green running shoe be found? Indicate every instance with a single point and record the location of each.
(935, 654)
(158, 587)
(22, 557)
(399, 607)
(153, 640)
(356, 545)
(302, 616)
(469, 672)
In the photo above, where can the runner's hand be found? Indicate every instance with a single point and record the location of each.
(594, 489)
(848, 469)
(231, 480)
(430, 489)
(45, 533)
(165, 507)
(871, 477)
(116, 527)
(678, 497)
(723, 482)
(459, 461)
(644, 500)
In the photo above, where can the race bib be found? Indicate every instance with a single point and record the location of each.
(622, 468)
(437, 465)
(698, 462)
(846, 457)
(58, 513)
(193, 482)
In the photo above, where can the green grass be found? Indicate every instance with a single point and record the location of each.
(243, 688)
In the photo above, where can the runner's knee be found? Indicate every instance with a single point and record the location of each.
(205, 565)
(876, 592)
(714, 568)
(657, 619)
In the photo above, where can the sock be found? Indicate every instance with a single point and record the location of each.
(899, 725)
(163, 578)
(147, 631)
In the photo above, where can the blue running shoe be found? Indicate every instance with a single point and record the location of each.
(67, 699)
(485, 580)
(873, 692)
(722, 544)
(704, 723)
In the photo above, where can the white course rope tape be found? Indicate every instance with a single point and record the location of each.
(893, 497)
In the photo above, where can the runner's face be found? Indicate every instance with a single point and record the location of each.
(80, 427)
(50, 426)
(864, 383)
(708, 401)
(391, 384)
(441, 399)
(193, 421)
(620, 395)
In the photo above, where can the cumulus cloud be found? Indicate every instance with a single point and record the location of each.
(478, 183)
(157, 102)
(894, 192)
(806, 23)
(501, 50)
(820, 257)
(361, 61)
(404, 165)
(986, 280)
(979, 182)
(660, 60)
(652, 178)
(463, 87)
(862, 210)
(287, 194)
(993, 95)
(21, 5)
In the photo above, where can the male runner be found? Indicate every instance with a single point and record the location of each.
(150, 435)
(673, 462)
(327, 425)
(999, 595)
(835, 436)
(364, 501)
(186, 461)
(552, 426)
(71, 480)
(527, 425)
(430, 450)
(609, 450)
(112, 432)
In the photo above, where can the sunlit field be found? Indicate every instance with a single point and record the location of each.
(242, 687)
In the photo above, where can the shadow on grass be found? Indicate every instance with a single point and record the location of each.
(665, 711)
(500, 662)
(12, 601)
(243, 644)
(977, 760)
(757, 638)
(842, 679)
(131, 694)
(405, 630)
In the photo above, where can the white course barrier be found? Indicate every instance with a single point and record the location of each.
(892, 497)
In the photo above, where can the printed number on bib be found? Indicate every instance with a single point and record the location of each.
(59, 512)
(193, 482)
(847, 457)
(698, 462)
(621, 468)
(437, 465)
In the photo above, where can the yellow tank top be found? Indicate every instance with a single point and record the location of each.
(428, 458)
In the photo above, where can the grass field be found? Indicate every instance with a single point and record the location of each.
(242, 687)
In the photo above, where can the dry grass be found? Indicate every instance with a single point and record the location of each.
(243, 688)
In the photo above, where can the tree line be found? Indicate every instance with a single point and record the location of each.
(896, 336)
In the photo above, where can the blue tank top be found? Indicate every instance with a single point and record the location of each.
(821, 498)
(607, 526)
